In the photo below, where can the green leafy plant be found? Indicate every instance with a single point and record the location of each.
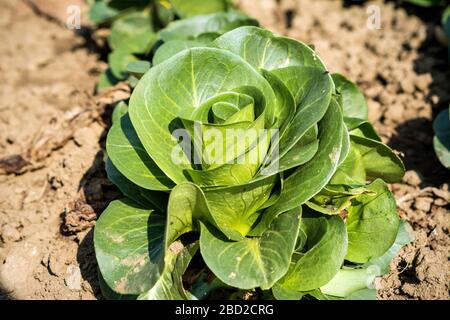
(429, 3)
(301, 208)
(441, 142)
(136, 25)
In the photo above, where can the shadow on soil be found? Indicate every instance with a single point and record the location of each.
(415, 137)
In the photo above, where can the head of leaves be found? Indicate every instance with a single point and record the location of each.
(323, 213)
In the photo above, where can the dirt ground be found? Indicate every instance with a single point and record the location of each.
(48, 76)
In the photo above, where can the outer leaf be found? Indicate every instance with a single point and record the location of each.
(441, 141)
(138, 68)
(349, 281)
(405, 235)
(109, 293)
(145, 198)
(133, 33)
(217, 23)
(130, 158)
(118, 61)
(171, 48)
(120, 109)
(325, 251)
(181, 83)
(252, 262)
(351, 98)
(170, 285)
(100, 12)
(372, 223)
(379, 160)
(264, 50)
(189, 8)
(357, 283)
(129, 247)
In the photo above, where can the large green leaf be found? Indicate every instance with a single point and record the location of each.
(130, 158)
(189, 8)
(171, 48)
(379, 160)
(212, 24)
(405, 235)
(170, 285)
(133, 32)
(182, 83)
(128, 241)
(351, 98)
(348, 281)
(372, 223)
(321, 258)
(441, 141)
(252, 262)
(144, 197)
(265, 50)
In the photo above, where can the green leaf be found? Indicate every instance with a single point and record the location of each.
(187, 205)
(361, 128)
(133, 33)
(264, 50)
(379, 160)
(170, 285)
(131, 159)
(351, 171)
(446, 21)
(182, 83)
(217, 23)
(372, 223)
(405, 235)
(441, 126)
(118, 61)
(138, 68)
(306, 181)
(235, 208)
(145, 198)
(252, 262)
(120, 109)
(106, 80)
(171, 48)
(428, 3)
(128, 241)
(348, 281)
(311, 89)
(322, 256)
(100, 12)
(351, 98)
(110, 294)
(189, 8)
